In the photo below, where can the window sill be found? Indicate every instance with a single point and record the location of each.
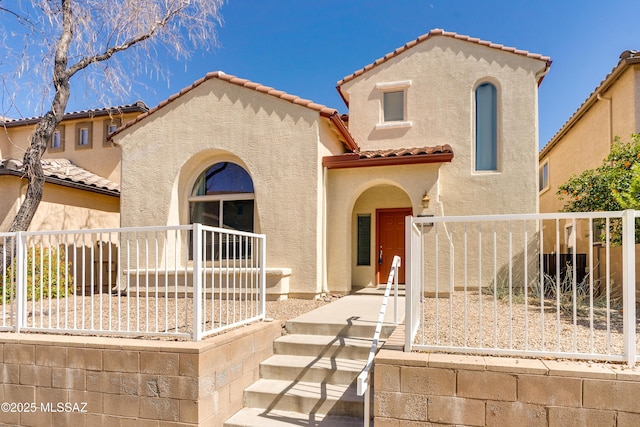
(394, 125)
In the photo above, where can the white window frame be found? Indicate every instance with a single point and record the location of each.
(116, 123)
(386, 87)
(60, 132)
(80, 128)
(570, 238)
(543, 185)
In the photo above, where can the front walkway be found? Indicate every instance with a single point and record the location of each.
(310, 379)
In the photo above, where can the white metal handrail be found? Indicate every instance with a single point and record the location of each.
(363, 378)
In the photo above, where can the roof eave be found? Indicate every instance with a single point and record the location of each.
(138, 107)
(353, 160)
(66, 183)
(622, 65)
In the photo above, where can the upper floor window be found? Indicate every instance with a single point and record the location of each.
(110, 126)
(56, 143)
(393, 104)
(84, 135)
(543, 176)
(486, 128)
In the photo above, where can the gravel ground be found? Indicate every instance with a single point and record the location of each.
(519, 327)
(150, 316)
(471, 325)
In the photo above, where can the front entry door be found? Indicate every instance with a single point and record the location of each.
(390, 241)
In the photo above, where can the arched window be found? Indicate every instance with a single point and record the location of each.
(486, 128)
(223, 197)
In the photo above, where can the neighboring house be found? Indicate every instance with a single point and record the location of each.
(81, 167)
(446, 116)
(611, 110)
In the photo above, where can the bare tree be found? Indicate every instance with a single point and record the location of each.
(65, 38)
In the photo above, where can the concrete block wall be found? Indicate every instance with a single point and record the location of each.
(414, 389)
(128, 382)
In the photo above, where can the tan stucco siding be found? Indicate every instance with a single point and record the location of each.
(588, 141)
(101, 158)
(444, 73)
(61, 208)
(379, 187)
(274, 140)
(10, 196)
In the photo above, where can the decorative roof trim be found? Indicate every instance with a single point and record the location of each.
(329, 113)
(411, 156)
(441, 32)
(627, 58)
(138, 107)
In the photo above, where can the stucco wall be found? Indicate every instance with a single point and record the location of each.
(61, 208)
(588, 141)
(378, 197)
(393, 186)
(277, 143)
(444, 73)
(101, 159)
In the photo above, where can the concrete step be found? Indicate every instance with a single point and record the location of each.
(329, 370)
(380, 289)
(344, 318)
(352, 328)
(304, 397)
(323, 346)
(251, 417)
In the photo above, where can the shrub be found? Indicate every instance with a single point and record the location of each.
(47, 275)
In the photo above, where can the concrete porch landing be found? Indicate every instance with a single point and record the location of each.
(352, 315)
(310, 379)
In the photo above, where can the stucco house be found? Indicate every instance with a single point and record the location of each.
(81, 167)
(611, 110)
(444, 125)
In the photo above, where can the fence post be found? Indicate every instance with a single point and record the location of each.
(21, 282)
(629, 285)
(408, 279)
(263, 276)
(197, 282)
(395, 290)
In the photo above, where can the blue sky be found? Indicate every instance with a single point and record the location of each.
(305, 47)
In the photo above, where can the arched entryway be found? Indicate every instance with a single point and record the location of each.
(378, 233)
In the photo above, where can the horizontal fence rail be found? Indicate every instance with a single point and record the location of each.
(543, 285)
(177, 281)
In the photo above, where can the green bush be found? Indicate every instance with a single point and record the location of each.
(47, 275)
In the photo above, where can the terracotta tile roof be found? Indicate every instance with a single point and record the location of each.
(323, 110)
(64, 172)
(440, 32)
(627, 58)
(399, 152)
(138, 106)
(388, 157)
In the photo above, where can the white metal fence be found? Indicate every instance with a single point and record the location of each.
(544, 285)
(177, 281)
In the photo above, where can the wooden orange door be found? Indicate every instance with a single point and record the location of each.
(390, 241)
